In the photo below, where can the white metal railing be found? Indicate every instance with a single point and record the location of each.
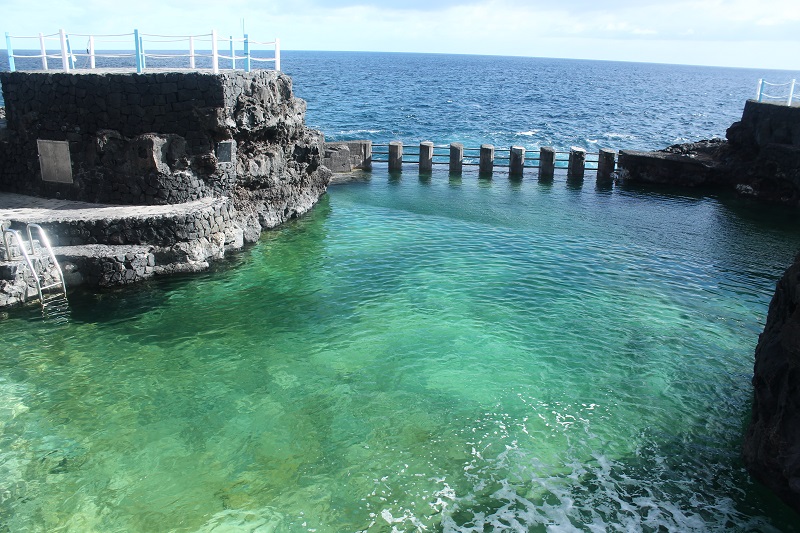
(761, 94)
(68, 56)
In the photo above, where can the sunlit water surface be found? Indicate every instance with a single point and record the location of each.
(439, 354)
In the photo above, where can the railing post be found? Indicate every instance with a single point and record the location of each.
(547, 162)
(71, 56)
(577, 162)
(43, 48)
(395, 156)
(456, 158)
(144, 54)
(605, 164)
(214, 53)
(246, 53)
(11, 65)
(91, 52)
(64, 59)
(487, 159)
(791, 93)
(191, 51)
(277, 54)
(516, 161)
(425, 157)
(233, 55)
(138, 45)
(760, 89)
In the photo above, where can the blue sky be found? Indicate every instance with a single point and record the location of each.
(737, 33)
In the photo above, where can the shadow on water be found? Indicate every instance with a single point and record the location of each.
(233, 276)
(574, 184)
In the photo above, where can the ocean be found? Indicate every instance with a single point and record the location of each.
(428, 353)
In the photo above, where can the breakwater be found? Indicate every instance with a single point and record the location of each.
(360, 155)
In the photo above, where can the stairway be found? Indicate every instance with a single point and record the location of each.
(34, 261)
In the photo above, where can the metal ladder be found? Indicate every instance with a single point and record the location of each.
(44, 268)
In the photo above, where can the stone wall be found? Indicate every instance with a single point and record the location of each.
(226, 155)
(160, 138)
(763, 124)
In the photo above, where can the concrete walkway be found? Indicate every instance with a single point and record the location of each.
(27, 209)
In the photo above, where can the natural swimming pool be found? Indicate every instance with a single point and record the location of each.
(456, 354)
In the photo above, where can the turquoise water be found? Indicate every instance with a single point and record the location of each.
(413, 355)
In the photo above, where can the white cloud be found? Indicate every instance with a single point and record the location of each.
(715, 31)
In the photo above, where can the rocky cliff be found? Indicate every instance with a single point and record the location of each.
(760, 158)
(772, 442)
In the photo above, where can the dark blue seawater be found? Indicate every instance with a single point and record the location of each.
(506, 101)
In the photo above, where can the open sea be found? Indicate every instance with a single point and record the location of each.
(428, 353)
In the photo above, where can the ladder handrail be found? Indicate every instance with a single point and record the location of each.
(15, 234)
(44, 240)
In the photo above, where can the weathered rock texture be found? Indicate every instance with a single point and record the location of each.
(236, 139)
(772, 442)
(761, 157)
(164, 138)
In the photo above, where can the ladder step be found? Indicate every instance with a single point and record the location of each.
(44, 287)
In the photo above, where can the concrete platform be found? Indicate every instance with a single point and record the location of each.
(30, 209)
(108, 245)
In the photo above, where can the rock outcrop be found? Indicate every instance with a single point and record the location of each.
(761, 157)
(229, 154)
(772, 442)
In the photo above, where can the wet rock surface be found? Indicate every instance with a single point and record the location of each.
(772, 442)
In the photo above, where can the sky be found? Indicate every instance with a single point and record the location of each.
(761, 34)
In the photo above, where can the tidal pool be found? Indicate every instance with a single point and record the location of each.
(434, 354)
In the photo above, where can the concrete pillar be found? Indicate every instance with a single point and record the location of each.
(577, 163)
(425, 157)
(395, 156)
(547, 162)
(516, 161)
(456, 158)
(487, 159)
(605, 164)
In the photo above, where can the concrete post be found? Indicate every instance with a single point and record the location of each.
(487, 159)
(191, 52)
(277, 54)
(425, 157)
(516, 161)
(456, 158)
(366, 161)
(605, 164)
(395, 156)
(577, 163)
(547, 162)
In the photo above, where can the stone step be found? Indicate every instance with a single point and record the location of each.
(79, 223)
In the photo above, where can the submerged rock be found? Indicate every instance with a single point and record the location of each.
(772, 442)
